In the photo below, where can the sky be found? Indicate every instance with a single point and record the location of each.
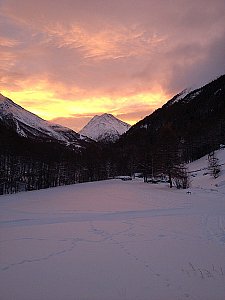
(69, 60)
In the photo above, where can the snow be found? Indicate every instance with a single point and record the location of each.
(185, 96)
(34, 123)
(115, 240)
(180, 96)
(203, 180)
(104, 127)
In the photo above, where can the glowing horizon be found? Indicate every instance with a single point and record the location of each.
(47, 106)
(80, 58)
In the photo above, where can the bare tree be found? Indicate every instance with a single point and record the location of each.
(213, 165)
(181, 177)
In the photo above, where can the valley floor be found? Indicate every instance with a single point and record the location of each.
(113, 240)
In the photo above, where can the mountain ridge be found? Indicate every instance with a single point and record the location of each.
(195, 123)
(29, 125)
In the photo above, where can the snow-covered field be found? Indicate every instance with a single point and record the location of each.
(115, 240)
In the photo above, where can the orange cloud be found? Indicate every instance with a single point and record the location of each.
(8, 42)
(110, 42)
(7, 60)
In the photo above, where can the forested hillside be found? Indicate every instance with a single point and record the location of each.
(184, 129)
(27, 164)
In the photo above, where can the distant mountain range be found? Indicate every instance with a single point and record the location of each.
(29, 125)
(193, 115)
(106, 128)
(35, 153)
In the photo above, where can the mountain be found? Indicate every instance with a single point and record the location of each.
(190, 114)
(192, 123)
(29, 125)
(105, 128)
(199, 113)
(37, 154)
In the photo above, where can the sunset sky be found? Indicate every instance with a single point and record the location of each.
(68, 60)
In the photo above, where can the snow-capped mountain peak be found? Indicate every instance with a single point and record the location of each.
(29, 125)
(105, 127)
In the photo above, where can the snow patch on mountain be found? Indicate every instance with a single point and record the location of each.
(180, 96)
(104, 128)
(185, 96)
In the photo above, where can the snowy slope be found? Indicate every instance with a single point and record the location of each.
(29, 125)
(115, 240)
(200, 175)
(104, 128)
